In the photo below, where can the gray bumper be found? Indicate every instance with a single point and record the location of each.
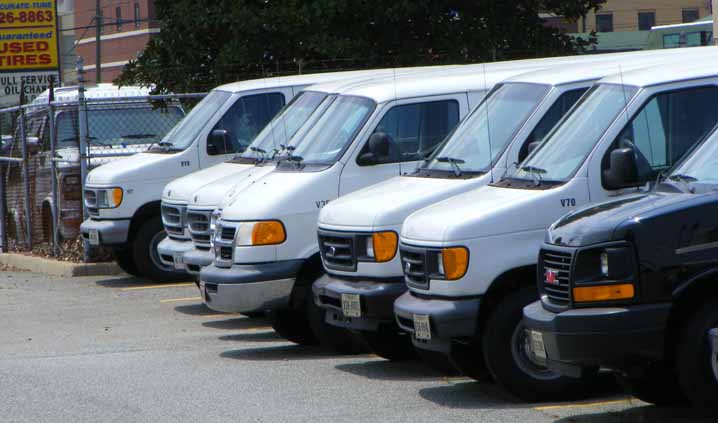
(195, 260)
(111, 232)
(376, 299)
(448, 319)
(247, 288)
(168, 248)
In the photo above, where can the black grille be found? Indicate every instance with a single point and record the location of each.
(414, 264)
(228, 233)
(555, 276)
(338, 250)
(225, 253)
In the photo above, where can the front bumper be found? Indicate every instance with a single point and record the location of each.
(448, 319)
(251, 287)
(111, 232)
(606, 336)
(195, 260)
(376, 299)
(172, 252)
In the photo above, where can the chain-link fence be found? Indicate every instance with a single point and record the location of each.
(49, 145)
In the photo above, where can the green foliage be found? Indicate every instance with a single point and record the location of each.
(204, 43)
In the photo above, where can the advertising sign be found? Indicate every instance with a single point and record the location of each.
(29, 54)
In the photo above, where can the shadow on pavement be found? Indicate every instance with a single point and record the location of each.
(279, 353)
(645, 414)
(470, 395)
(237, 323)
(269, 336)
(390, 370)
(195, 310)
(124, 282)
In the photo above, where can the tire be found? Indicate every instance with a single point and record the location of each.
(694, 361)
(504, 347)
(254, 314)
(469, 360)
(390, 343)
(339, 340)
(146, 257)
(437, 361)
(658, 386)
(293, 326)
(124, 259)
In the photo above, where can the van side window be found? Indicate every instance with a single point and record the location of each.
(67, 130)
(667, 126)
(414, 130)
(557, 110)
(246, 118)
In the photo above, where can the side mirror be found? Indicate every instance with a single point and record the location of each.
(33, 145)
(218, 142)
(379, 146)
(622, 171)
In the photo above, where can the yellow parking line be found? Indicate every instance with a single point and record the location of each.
(179, 300)
(169, 285)
(582, 405)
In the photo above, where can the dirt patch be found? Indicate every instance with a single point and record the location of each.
(70, 251)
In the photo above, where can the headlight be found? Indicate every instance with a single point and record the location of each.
(269, 232)
(453, 263)
(109, 198)
(381, 246)
(604, 263)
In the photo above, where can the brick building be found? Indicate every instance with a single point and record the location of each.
(641, 15)
(127, 26)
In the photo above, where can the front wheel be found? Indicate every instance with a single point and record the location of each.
(124, 259)
(293, 326)
(390, 343)
(339, 340)
(658, 385)
(145, 255)
(506, 349)
(696, 359)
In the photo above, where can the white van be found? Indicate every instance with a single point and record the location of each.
(187, 246)
(123, 199)
(470, 261)
(266, 252)
(359, 289)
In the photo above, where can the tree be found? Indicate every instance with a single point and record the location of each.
(204, 43)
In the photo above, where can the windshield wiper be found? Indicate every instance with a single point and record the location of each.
(453, 162)
(685, 180)
(535, 172)
(138, 136)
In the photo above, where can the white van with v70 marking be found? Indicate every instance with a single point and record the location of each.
(472, 258)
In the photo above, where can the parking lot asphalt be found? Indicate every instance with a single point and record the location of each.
(117, 349)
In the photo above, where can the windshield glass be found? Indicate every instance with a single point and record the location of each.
(334, 131)
(572, 140)
(125, 126)
(480, 139)
(285, 125)
(189, 128)
(702, 164)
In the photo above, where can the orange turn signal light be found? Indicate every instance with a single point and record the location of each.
(385, 244)
(456, 262)
(268, 233)
(603, 293)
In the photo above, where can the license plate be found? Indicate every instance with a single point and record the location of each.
(177, 260)
(94, 237)
(351, 305)
(422, 329)
(537, 346)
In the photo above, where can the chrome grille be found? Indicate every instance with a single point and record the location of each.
(555, 275)
(173, 218)
(338, 250)
(223, 242)
(91, 202)
(199, 226)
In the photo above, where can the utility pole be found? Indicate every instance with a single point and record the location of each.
(98, 46)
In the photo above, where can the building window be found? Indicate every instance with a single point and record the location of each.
(118, 15)
(646, 20)
(137, 15)
(604, 22)
(690, 15)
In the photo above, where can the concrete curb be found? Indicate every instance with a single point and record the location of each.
(58, 268)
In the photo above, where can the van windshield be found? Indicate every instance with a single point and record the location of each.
(184, 134)
(568, 145)
(701, 166)
(335, 130)
(284, 126)
(118, 126)
(483, 136)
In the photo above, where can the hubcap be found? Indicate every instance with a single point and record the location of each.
(155, 255)
(525, 359)
(713, 338)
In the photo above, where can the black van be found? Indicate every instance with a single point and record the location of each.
(642, 273)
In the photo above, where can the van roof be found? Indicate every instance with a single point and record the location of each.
(592, 70)
(666, 73)
(69, 93)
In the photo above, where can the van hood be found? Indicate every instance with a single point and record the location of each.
(213, 194)
(388, 203)
(142, 167)
(182, 189)
(483, 212)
